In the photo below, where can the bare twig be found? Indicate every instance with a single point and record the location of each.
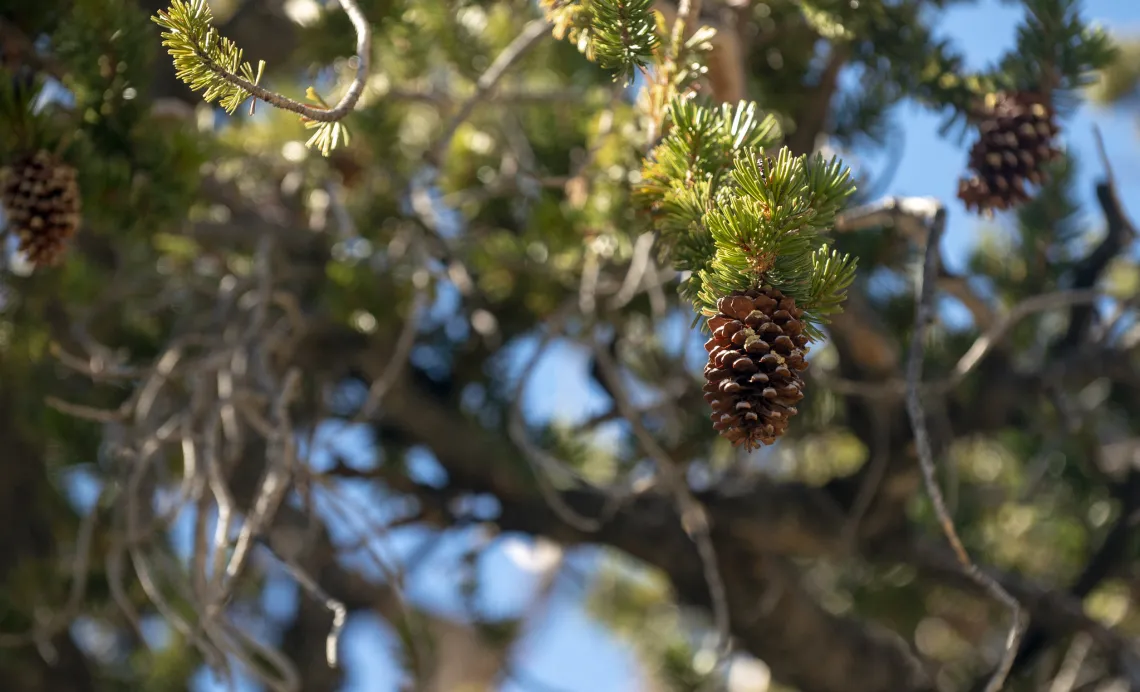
(1105, 162)
(908, 214)
(47, 628)
(338, 610)
(638, 267)
(503, 96)
(542, 462)
(526, 39)
(98, 415)
(1032, 305)
(924, 309)
(694, 519)
(399, 359)
(1066, 677)
(977, 351)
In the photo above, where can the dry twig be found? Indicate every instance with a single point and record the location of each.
(924, 314)
(694, 519)
(526, 39)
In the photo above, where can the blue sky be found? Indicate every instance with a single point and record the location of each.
(565, 648)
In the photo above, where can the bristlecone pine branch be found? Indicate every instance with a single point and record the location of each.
(1018, 133)
(742, 223)
(40, 197)
(756, 355)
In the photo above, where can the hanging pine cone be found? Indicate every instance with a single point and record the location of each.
(40, 197)
(1017, 139)
(756, 355)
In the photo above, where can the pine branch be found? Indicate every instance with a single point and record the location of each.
(620, 35)
(730, 217)
(211, 63)
(682, 177)
(625, 35)
(770, 234)
(1056, 49)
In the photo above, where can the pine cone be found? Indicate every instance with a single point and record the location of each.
(756, 355)
(1017, 139)
(40, 197)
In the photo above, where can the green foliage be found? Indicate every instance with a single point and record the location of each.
(736, 218)
(17, 97)
(202, 56)
(620, 35)
(768, 234)
(326, 135)
(625, 34)
(1056, 48)
(762, 227)
(211, 63)
(1120, 77)
(682, 175)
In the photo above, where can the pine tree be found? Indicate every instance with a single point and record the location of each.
(342, 347)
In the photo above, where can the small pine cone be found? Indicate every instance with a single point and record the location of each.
(1017, 131)
(756, 355)
(40, 197)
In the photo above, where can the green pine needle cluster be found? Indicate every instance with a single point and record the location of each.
(768, 232)
(202, 56)
(1056, 48)
(327, 135)
(625, 35)
(733, 218)
(682, 174)
(620, 35)
(729, 216)
(203, 59)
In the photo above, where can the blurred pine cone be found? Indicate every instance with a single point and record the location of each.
(40, 197)
(1017, 138)
(756, 355)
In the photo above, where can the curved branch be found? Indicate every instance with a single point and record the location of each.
(323, 115)
(924, 312)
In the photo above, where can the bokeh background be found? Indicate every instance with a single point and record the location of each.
(590, 618)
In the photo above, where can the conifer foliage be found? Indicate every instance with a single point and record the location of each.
(254, 365)
(1055, 55)
(743, 222)
(211, 63)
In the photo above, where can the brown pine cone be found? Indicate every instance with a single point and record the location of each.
(40, 197)
(1018, 133)
(756, 355)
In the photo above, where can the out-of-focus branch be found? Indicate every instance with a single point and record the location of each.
(924, 313)
(1101, 565)
(694, 518)
(908, 214)
(487, 81)
(812, 120)
(726, 61)
(977, 352)
(1088, 272)
(543, 463)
